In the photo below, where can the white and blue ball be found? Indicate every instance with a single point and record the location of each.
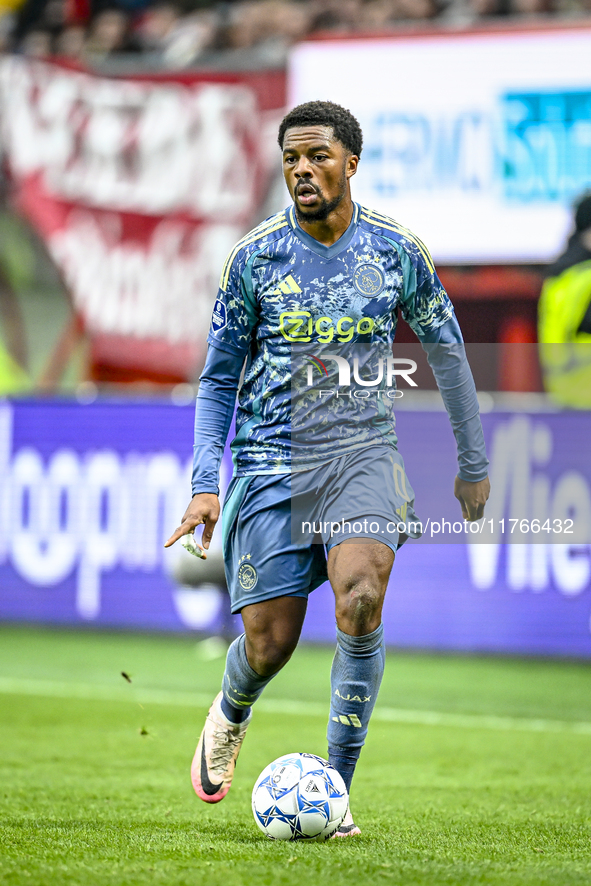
(299, 797)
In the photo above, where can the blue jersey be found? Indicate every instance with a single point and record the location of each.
(281, 290)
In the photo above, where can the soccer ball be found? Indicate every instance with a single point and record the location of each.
(299, 797)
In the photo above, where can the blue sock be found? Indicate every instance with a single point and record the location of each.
(241, 685)
(355, 678)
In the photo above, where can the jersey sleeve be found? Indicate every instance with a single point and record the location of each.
(234, 314)
(425, 305)
(232, 324)
(427, 309)
(447, 358)
(216, 400)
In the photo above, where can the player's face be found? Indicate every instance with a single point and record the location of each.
(317, 169)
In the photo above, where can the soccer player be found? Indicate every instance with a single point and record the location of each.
(326, 273)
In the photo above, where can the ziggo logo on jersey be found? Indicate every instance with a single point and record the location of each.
(298, 326)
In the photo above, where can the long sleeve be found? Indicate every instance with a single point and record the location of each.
(429, 312)
(214, 409)
(446, 354)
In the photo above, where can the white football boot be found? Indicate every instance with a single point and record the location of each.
(215, 758)
(347, 828)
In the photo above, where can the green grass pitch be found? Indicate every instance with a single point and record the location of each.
(476, 770)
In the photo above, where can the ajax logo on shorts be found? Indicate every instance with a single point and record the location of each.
(247, 574)
(369, 280)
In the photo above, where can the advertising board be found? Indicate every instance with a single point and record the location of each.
(478, 142)
(86, 504)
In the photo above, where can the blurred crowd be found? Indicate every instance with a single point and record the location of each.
(178, 33)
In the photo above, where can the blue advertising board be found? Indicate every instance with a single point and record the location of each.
(89, 493)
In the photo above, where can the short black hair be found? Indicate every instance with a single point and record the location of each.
(344, 125)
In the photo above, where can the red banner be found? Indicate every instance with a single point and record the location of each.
(140, 186)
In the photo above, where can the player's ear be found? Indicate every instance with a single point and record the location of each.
(352, 161)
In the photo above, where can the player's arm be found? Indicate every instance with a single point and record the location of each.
(447, 357)
(213, 415)
(429, 312)
(232, 323)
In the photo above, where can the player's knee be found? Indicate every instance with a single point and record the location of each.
(272, 632)
(267, 655)
(359, 607)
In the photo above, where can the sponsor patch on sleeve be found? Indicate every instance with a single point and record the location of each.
(219, 317)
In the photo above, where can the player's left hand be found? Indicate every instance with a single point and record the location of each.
(472, 497)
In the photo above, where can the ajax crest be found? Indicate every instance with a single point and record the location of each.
(369, 280)
(247, 574)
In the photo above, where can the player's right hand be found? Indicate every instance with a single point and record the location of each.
(204, 508)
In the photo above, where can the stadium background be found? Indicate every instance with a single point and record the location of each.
(128, 181)
(138, 143)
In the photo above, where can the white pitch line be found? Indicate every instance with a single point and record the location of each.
(102, 692)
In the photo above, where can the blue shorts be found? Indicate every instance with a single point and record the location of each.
(277, 528)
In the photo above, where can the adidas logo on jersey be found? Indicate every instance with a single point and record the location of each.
(287, 287)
